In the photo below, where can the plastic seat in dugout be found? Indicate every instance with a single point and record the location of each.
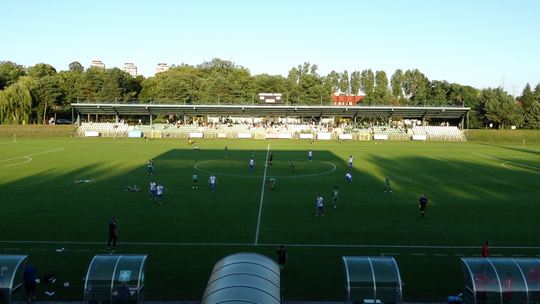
(11, 278)
(116, 279)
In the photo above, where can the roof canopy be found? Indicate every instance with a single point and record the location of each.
(244, 277)
(372, 280)
(501, 280)
(273, 110)
(12, 268)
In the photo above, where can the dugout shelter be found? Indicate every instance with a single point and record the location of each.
(372, 280)
(11, 278)
(244, 278)
(501, 280)
(108, 274)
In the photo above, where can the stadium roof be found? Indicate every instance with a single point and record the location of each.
(274, 110)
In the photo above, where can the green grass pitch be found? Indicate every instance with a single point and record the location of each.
(477, 192)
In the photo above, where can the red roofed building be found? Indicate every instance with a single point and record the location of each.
(346, 100)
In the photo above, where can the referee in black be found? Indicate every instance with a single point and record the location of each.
(422, 202)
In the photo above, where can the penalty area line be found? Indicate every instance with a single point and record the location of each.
(507, 162)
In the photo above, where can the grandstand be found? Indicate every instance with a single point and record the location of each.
(260, 130)
(160, 130)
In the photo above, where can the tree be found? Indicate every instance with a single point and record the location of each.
(332, 80)
(15, 104)
(531, 118)
(46, 95)
(500, 107)
(529, 103)
(77, 67)
(367, 81)
(416, 85)
(41, 70)
(381, 92)
(396, 82)
(344, 83)
(10, 73)
(91, 82)
(355, 82)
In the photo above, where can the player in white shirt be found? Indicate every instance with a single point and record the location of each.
(251, 163)
(310, 154)
(212, 181)
(319, 206)
(348, 177)
(351, 159)
(160, 189)
(152, 190)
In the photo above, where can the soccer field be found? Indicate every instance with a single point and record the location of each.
(476, 192)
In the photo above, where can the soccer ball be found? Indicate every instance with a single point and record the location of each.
(38, 281)
(66, 284)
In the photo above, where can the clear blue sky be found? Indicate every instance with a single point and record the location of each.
(473, 42)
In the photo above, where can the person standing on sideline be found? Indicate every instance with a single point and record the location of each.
(29, 276)
(422, 202)
(194, 181)
(152, 190)
(271, 159)
(189, 140)
(251, 163)
(272, 182)
(213, 181)
(310, 155)
(160, 189)
(348, 177)
(387, 184)
(351, 159)
(282, 257)
(319, 205)
(335, 197)
(226, 152)
(113, 234)
(485, 249)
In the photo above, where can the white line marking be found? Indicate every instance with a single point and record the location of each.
(9, 142)
(441, 254)
(262, 197)
(508, 162)
(40, 249)
(459, 254)
(26, 156)
(11, 248)
(418, 254)
(387, 254)
(83, 249)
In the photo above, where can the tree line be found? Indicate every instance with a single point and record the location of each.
(31, 94)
